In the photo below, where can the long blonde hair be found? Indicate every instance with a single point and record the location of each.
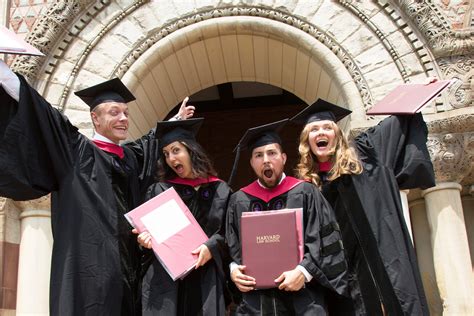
(344, 159)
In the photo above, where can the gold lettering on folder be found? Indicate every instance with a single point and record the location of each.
(268, 239)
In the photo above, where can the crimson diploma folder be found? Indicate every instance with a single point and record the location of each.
(10, 43)
(408, 98)
(272, 243)
(175, 231)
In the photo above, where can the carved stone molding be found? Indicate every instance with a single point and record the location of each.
(91, 45)
(460, 67)
(53, 33)
(463, 123)
(358, 10)
(452, 155)
(48, 30)
(269, 13)
(3, 201)
(41, 204)
(436, 29)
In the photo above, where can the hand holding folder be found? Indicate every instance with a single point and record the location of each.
(174, 230)
(272, 243)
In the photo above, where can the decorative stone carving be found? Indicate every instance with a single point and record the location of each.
(41, 204)
(436, 29)
(455, 124)
(61, 16)
(452, 156)
(46, 33)
(3, 201)
(91, 45)
(358, 10)
(284, 17)
(457, 12)
(461, 68)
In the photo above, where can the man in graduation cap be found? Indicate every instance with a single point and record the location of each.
(299, 291)
(95, 267)
(362, 184)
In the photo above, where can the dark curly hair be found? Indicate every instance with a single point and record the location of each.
(201, 164)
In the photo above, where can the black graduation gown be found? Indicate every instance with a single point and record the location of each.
(202, 291)
(323, 254)
(382, 261)
(95, 264)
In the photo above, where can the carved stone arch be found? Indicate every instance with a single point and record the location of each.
(65, 36)
(179, 41)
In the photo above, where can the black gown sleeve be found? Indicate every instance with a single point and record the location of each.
(216, 220)
(232, 231)
(146, 151)
(399, 143)
(36, 140)
(324, 256)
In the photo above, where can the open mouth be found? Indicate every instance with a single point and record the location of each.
(322, 143)
(179, 168)
(268, 173)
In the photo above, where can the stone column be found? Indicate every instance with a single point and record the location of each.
(9, 254)
(35, 257)
(468, 206)
(452, 262)
(424, 255)
(406, 211)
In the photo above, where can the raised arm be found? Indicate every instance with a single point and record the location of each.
(36, 140)
(9, 81)
(399, 143)
(145, 149)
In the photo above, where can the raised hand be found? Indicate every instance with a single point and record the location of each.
(185, 111)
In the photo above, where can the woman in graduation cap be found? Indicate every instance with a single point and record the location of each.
(362, 183)
(185, 166)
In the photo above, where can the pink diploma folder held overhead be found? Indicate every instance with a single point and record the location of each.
(10, 43)
(408, 98)
(175, 231)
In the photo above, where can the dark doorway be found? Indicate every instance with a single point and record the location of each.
(230, 109)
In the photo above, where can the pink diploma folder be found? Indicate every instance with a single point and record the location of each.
(10, 43)
(175, 231)
(272, 243)
(408, 98)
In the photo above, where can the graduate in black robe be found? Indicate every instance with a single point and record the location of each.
(362, 185)
(300, 291)
(95, 267)
(185, 167)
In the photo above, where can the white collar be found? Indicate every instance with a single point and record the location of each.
(101, 138)
(283, 176)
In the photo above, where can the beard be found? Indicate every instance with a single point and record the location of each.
(270, 182)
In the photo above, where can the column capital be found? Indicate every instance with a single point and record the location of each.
(415, 203)
(452, 155)
(43, 204)
(442, 186)
(3, 201)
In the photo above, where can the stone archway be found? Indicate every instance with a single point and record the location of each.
(363, 50)
(107, 39)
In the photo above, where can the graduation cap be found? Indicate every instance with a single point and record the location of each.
(319, 111)
(109, 91)
(255, 137)
(171, 131)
